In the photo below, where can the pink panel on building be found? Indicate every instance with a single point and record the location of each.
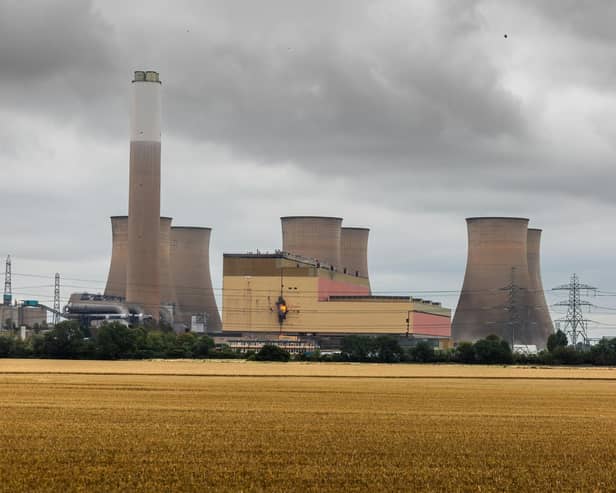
(431, 325)
(328, 287)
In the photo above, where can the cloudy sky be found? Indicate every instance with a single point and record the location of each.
(402, 116)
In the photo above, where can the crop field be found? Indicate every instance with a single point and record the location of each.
(249, 426)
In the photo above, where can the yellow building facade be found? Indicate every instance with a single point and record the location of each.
(318, 300)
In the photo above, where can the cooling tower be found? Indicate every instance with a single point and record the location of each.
(496, 256)
(313, 236)
(167, 290)
(116, 280)
(143, 271)
(354, 251)
(540, 321)
(190, 267)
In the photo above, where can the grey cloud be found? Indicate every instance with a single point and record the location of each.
(57, 62)
(324, 105)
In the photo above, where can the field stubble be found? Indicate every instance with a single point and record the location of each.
(397, 428)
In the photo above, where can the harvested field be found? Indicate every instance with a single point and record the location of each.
(238, 426)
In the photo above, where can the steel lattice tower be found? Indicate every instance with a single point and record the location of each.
(515, 307)
(56, 299)
(8, 291)
(575, 323)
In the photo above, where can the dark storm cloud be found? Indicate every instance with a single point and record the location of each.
(42, 40)
(57, 61)
(405, 99)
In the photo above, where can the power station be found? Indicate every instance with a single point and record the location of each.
(316, 286)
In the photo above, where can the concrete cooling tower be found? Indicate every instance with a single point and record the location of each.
(143, 268)
(116, 280)
(354, 251)
(190, 267)
(313, 237)
(540, 319)
(167, 289)
(497, 254)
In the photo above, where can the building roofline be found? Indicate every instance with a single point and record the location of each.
(282, 218)
(192, 227)
(356, 228)
(497, 217)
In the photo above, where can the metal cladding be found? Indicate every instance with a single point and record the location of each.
(143, 267)
(497, 258)
(190, 267)
(540, 319)
(116, 280)
(313, 237)
(354, 251)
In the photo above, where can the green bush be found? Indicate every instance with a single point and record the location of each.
(465, 353)
(422, 352)
(271, 352)
(7, 344)
(115, 340)
(556, 340)
(493, 350)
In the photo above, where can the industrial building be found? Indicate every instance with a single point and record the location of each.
(309, 291)
(502, 292)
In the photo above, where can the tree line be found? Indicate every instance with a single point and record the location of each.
(111, 341)
(117, 341)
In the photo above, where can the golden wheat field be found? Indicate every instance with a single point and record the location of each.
(249, 426)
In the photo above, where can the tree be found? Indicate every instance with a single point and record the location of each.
(202, 346)
(65, 340)
(7, 344)
(465, 352)
(493, 350)
(356, 348)
(604, 353)
(271, 352)
(565, 355)
(557, 339)
(183, 347)
(386, 349)
(115, 340)
(422, 352)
